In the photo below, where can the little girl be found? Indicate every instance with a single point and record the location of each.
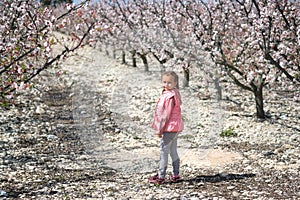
(168, 123)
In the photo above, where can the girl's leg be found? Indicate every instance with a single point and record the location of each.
(165, 145)
(174, 155)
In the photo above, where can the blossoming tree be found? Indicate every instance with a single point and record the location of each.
(28, 38)
(253, 42)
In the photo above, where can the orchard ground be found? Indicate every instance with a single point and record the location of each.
(88, 136)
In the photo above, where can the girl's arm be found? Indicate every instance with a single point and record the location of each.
(166, 113)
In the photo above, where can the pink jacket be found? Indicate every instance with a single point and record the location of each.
(167, 114)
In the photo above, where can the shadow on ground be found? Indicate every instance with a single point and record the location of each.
(218, 178)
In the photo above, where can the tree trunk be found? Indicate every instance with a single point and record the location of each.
(162, 68)
(186, 74)
(114, 53)
(100, 47)
(106, 49)
(258, 94)
(218, 89)
(123, 57)
(133, 56)
(145, 62)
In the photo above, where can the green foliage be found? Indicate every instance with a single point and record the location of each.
(200, 125)
(4, 104)
(187, 136)
(184, 118)
(228, 132)
(136, 137)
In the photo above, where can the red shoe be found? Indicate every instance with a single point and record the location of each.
(156, 180)
(174, 178)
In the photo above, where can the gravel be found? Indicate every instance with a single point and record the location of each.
(87, 135)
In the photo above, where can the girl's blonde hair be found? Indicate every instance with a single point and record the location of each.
(175, 76)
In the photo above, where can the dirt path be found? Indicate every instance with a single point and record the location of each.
(130, 94)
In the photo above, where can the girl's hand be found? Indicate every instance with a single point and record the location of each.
(159, 135)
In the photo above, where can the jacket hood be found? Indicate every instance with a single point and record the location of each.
(173, 93)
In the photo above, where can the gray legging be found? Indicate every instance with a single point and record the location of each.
(168, 145)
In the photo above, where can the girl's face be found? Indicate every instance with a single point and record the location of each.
(168, 82)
